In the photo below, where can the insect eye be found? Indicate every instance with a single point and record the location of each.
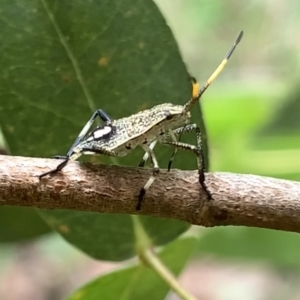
(168, 115)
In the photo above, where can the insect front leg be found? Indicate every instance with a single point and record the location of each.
(71, 155)
(195, 149)
(150, 181)
(61, 165)
(98, 113)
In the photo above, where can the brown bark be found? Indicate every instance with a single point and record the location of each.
(238, 199)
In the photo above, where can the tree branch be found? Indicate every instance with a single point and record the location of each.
(238, 199)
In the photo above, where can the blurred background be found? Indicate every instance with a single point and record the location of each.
(252, 118)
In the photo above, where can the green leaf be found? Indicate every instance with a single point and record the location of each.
(20, 223)
(107, 236)
(139, 282)
(28, 225)
(162, 231)
(62, 60)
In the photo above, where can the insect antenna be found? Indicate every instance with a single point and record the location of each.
(196, 93)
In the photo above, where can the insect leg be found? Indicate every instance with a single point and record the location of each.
(195, 149)
(77, 152)
(146, 155)
(174, 139)
(96, 151)
(152, 178)
(102, 115)
(71, 155)
(195, 90)
(172, 135)
(61, 165)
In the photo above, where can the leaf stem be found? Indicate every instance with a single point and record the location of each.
(149, 258)
(153, 261)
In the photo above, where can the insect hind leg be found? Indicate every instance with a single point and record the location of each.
(197, 150)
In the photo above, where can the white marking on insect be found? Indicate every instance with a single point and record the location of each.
(101, 132)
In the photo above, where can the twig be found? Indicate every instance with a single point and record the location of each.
(238, 199)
